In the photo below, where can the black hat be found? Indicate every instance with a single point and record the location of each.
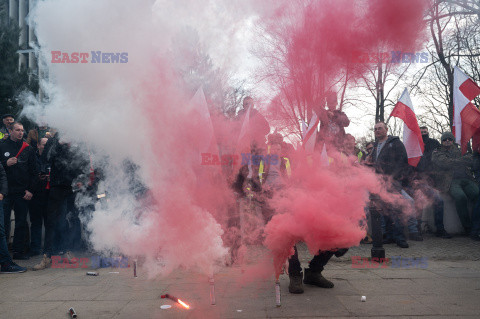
(448, 135)
(7, 115)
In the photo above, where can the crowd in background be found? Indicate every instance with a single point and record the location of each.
(40, 177)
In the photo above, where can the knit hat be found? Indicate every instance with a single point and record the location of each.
(448, 135)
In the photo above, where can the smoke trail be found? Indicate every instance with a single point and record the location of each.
(138, 123)
(137, 120)
(315, 44)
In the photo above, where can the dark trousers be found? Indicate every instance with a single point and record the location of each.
(38, 215)
(437, 205)
(463, 190)
(4, 255)
(73, 234)
(316, 264)
(476, 219)
(394, 227)
(20, 207)
(392, 216)
(56, 225)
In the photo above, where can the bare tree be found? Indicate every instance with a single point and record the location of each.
(453, 25)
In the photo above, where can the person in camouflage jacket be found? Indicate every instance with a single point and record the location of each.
(453, 175)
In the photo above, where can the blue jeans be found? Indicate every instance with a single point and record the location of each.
(4, 255)
(392, 227)
(20, 207)
(412, 223)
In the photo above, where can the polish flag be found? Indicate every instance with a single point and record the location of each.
(412, 137)
(324, 159)
(243, 142)
(208, 144)
(466, 117)
(310, 134)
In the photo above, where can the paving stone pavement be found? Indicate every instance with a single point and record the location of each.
(449, 287)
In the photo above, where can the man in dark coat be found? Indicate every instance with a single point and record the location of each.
(6, 263)
(66, 166)
(18, 159)
(389, 157)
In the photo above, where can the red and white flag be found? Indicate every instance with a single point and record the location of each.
(412, 137)
(466, 117)
(310, 134)
(324, 159)
(207, 142)
(243, 142)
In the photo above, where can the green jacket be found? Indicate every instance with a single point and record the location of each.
(449, 164)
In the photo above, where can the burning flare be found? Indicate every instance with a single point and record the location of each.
(176, 300)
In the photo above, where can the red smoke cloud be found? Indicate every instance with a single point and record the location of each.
(323, 206)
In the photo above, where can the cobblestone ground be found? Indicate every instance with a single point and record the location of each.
(448, 288)
(432, 247)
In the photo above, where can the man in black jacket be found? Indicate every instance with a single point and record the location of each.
(38, 204)
(18, 159)
(6, 263)
(389, 157)
(425, 164)
(66, 166)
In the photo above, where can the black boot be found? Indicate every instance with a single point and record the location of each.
(315, 278)
(295, 286)
(340, 252)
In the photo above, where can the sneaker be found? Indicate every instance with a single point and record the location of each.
(11, 268)
(340, 252)
(69, 255)
(402, 244)
(415, 237)
(45, 263)
(443, 234)
(20, 256)
(475, 237)
(388, 241)
(315, 278)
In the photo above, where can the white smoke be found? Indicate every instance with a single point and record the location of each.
(133, 111)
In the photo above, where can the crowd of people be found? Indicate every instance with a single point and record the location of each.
(441, 169)
(40, 177)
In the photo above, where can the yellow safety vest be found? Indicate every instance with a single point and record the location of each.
(261, 169)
